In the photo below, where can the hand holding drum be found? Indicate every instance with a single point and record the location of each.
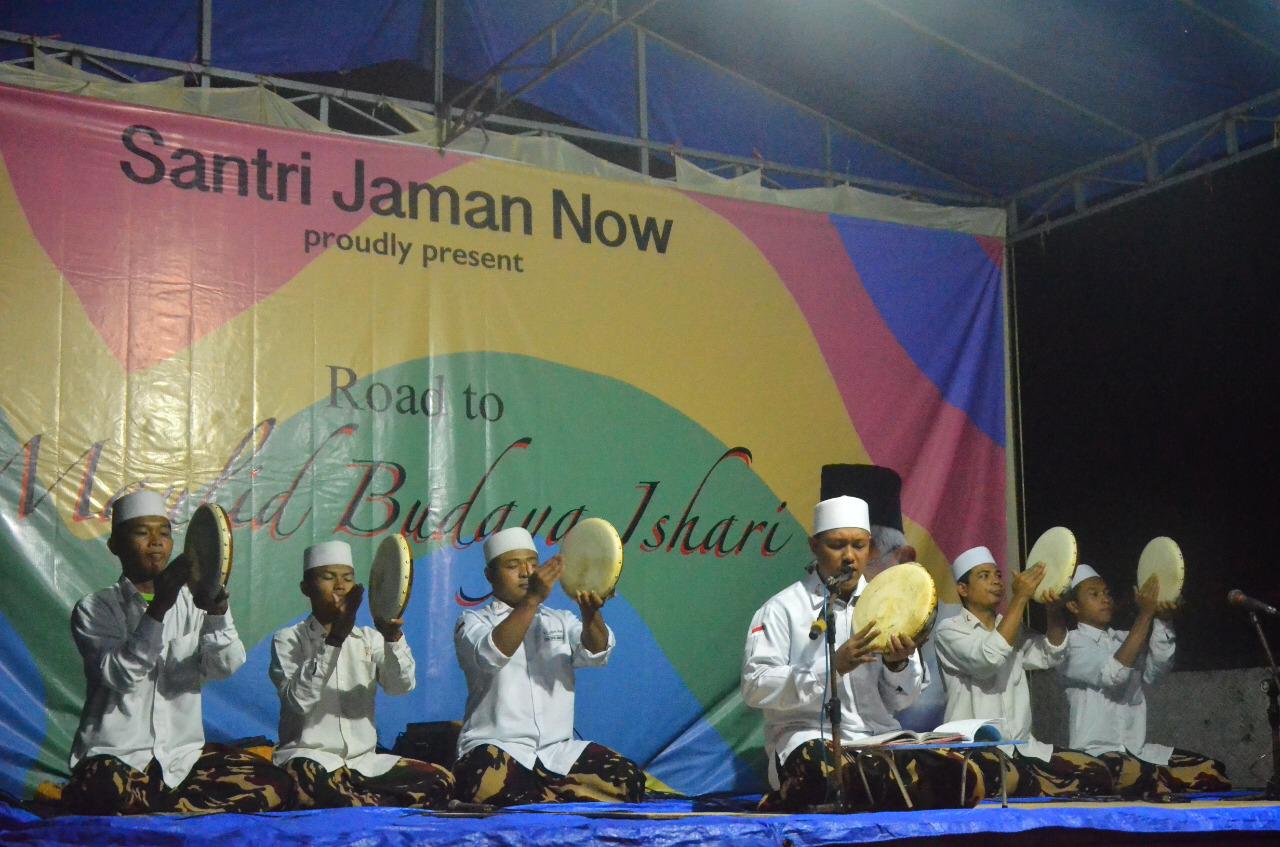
(1162, 559)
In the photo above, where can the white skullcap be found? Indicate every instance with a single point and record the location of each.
(139, 504)
(512, 538)
(326, 553)
(1082, 573)
(842, 512)
(970, 559)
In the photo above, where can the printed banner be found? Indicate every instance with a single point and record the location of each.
(337, 337)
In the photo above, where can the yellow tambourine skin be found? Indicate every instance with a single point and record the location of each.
(390, 579)
(592, 555)
(1057, 548)
(1163, 557)
(901, 600)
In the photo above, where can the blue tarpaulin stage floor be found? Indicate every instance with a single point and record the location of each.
(1222, 819)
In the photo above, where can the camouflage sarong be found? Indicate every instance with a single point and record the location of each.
(487, 774)
(223, 779)
(1185, 772)
(932, 779)
(410, 782)
(1067, 773)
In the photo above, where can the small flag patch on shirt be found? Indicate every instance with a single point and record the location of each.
(756, 629)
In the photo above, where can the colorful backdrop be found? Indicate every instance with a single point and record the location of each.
(342, 337)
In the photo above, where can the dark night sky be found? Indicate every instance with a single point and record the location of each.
(1148, 342)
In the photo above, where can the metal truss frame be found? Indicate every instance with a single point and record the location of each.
(321, 99)
(1147, 165)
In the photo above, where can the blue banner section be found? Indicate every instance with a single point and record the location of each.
(23, 707)
(923, 283)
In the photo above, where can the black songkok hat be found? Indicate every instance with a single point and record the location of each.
(880, 487)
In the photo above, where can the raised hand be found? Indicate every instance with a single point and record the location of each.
(346, 619)
(589, 603)
(543, 579)
(215, 603)
(1026, 582)
(1148, 596)
(900, 649)
(857, 650)
(167, 584)
(392, 630)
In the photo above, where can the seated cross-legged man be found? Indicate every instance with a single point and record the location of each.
(784, 674)
(519, 658)
(149, 645)
(327, 671)
(984, 656)
(1106, 674)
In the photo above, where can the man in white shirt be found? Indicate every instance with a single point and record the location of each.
(327, 671)
(519, 658)
(984, 655)
(1105, 674)
(784, 674)
(148, 647)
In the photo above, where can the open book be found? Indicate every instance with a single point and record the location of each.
(959, 732)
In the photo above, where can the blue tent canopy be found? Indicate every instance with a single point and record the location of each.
(1049, 108)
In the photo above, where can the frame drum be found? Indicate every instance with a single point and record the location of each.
(592, 554)
(902, 600)
(1163, 558)
(1056, 547)
(208, 548)
(390, 579)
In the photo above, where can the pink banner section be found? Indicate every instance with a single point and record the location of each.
(169, 225)
(953, 474)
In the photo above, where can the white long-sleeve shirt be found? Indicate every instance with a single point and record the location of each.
(784, 674)
(1107, 701)
(523, 703)
(985, 676)
(327, 694)
(143, 678)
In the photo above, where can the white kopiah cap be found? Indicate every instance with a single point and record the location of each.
(970, 559)
(326, 553)
(512, 538)
(842, 512)
(1082, 573)
(139, 504)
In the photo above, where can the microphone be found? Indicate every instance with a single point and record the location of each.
(841, 576)
(817, 628)
(1236, 597)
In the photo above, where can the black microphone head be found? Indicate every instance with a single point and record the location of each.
(1235, 596)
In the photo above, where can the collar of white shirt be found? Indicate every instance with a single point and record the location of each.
(1092, 632)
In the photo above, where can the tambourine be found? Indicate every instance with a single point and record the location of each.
(901, 600)
(592, 555)
(1056, 548)
(208, 547)
(1163, 558)
(390, 579)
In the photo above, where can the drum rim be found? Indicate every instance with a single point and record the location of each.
(222, 526)
(406, 558)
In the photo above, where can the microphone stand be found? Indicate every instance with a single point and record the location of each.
(1272, 688)
(833, 705)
